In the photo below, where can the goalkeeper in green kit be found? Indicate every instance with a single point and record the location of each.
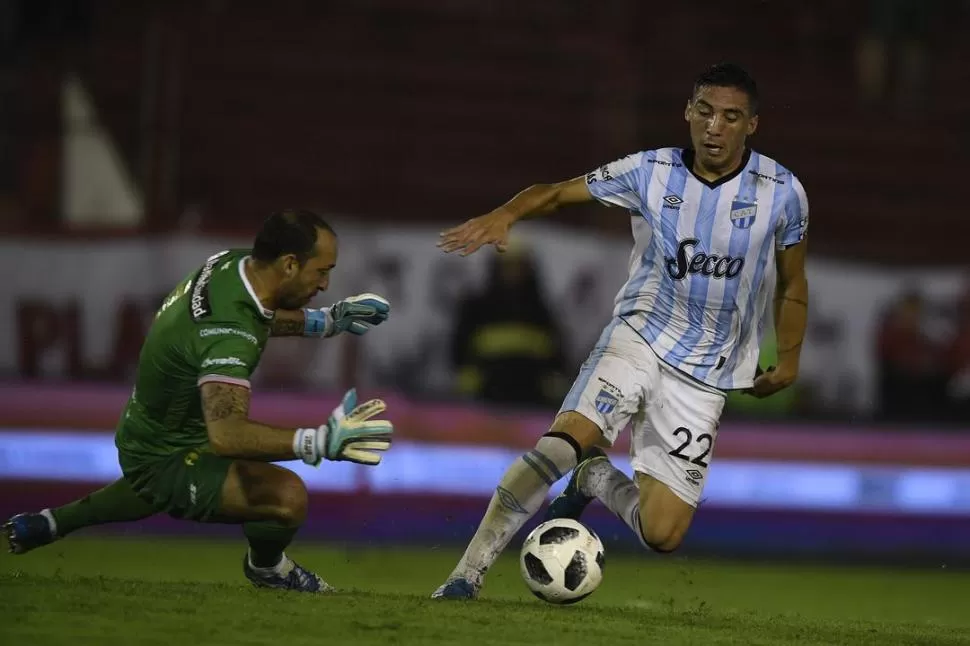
(186, 444)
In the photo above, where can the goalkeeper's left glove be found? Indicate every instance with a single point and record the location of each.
(349, 435)
(355, 314)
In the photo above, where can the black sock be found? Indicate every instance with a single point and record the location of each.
(267, 540)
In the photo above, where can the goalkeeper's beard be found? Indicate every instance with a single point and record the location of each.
(516, 499)
(289, 298)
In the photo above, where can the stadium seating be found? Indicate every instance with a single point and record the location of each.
(471, 101)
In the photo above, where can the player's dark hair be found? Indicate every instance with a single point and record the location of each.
(289, 232)
(729, 75)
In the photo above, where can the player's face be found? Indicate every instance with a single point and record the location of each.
(302, 283)
(720, 120)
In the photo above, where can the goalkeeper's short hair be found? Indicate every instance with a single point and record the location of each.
(289, 232)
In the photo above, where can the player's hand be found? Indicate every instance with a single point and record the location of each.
(471, 236)
(352, 435)
(349, 435)
(768, 382)
(357, 314)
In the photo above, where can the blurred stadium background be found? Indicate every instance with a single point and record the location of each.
(138, 137)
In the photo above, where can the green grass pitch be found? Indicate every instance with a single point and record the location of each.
(107, 591)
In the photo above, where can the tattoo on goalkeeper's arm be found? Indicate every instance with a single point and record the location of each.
(221, 401)
(287, 323)
(231, 432)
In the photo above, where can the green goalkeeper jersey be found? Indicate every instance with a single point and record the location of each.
(210, 328)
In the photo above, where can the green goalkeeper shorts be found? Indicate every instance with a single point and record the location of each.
(186, 484)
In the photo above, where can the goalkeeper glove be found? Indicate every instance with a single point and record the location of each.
(349, 435)
(355, 314)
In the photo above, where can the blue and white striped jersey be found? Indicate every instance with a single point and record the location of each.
(702, 268)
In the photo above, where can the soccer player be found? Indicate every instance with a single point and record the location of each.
(186, 444)
(716, 227)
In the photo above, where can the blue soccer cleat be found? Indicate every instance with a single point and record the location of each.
(572, 501)
(456, 589)
(292, 577)
(28, 531)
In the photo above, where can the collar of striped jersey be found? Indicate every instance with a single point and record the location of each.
(687, 156)
(252, 292)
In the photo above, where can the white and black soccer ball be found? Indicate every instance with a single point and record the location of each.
(562, 561)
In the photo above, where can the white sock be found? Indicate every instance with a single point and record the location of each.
(46, 513)
(516, 499)
(280, 568)
(614, 489)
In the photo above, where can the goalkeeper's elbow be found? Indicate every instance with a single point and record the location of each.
(220, 439)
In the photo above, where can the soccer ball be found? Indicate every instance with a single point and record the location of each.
(562, 561)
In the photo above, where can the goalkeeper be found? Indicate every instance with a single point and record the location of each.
(186, 444)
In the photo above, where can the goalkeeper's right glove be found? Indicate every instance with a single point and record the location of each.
(354, 314)
(350, 434)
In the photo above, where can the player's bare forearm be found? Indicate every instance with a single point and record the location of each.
(288, 323)
(542, 199)
(791, 316)
(251, 440)
(493, 227)
(538, 199)
(791, 309)
(232, 434)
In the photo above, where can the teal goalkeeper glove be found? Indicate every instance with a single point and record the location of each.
(349, 435)
(355, 314)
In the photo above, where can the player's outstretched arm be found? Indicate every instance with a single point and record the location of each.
(493, 228)
(354, 314)
(349, 434)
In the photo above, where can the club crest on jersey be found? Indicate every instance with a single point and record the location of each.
(605, 402)
(743, 213)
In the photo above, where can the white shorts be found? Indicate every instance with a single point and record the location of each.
(674, 418)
